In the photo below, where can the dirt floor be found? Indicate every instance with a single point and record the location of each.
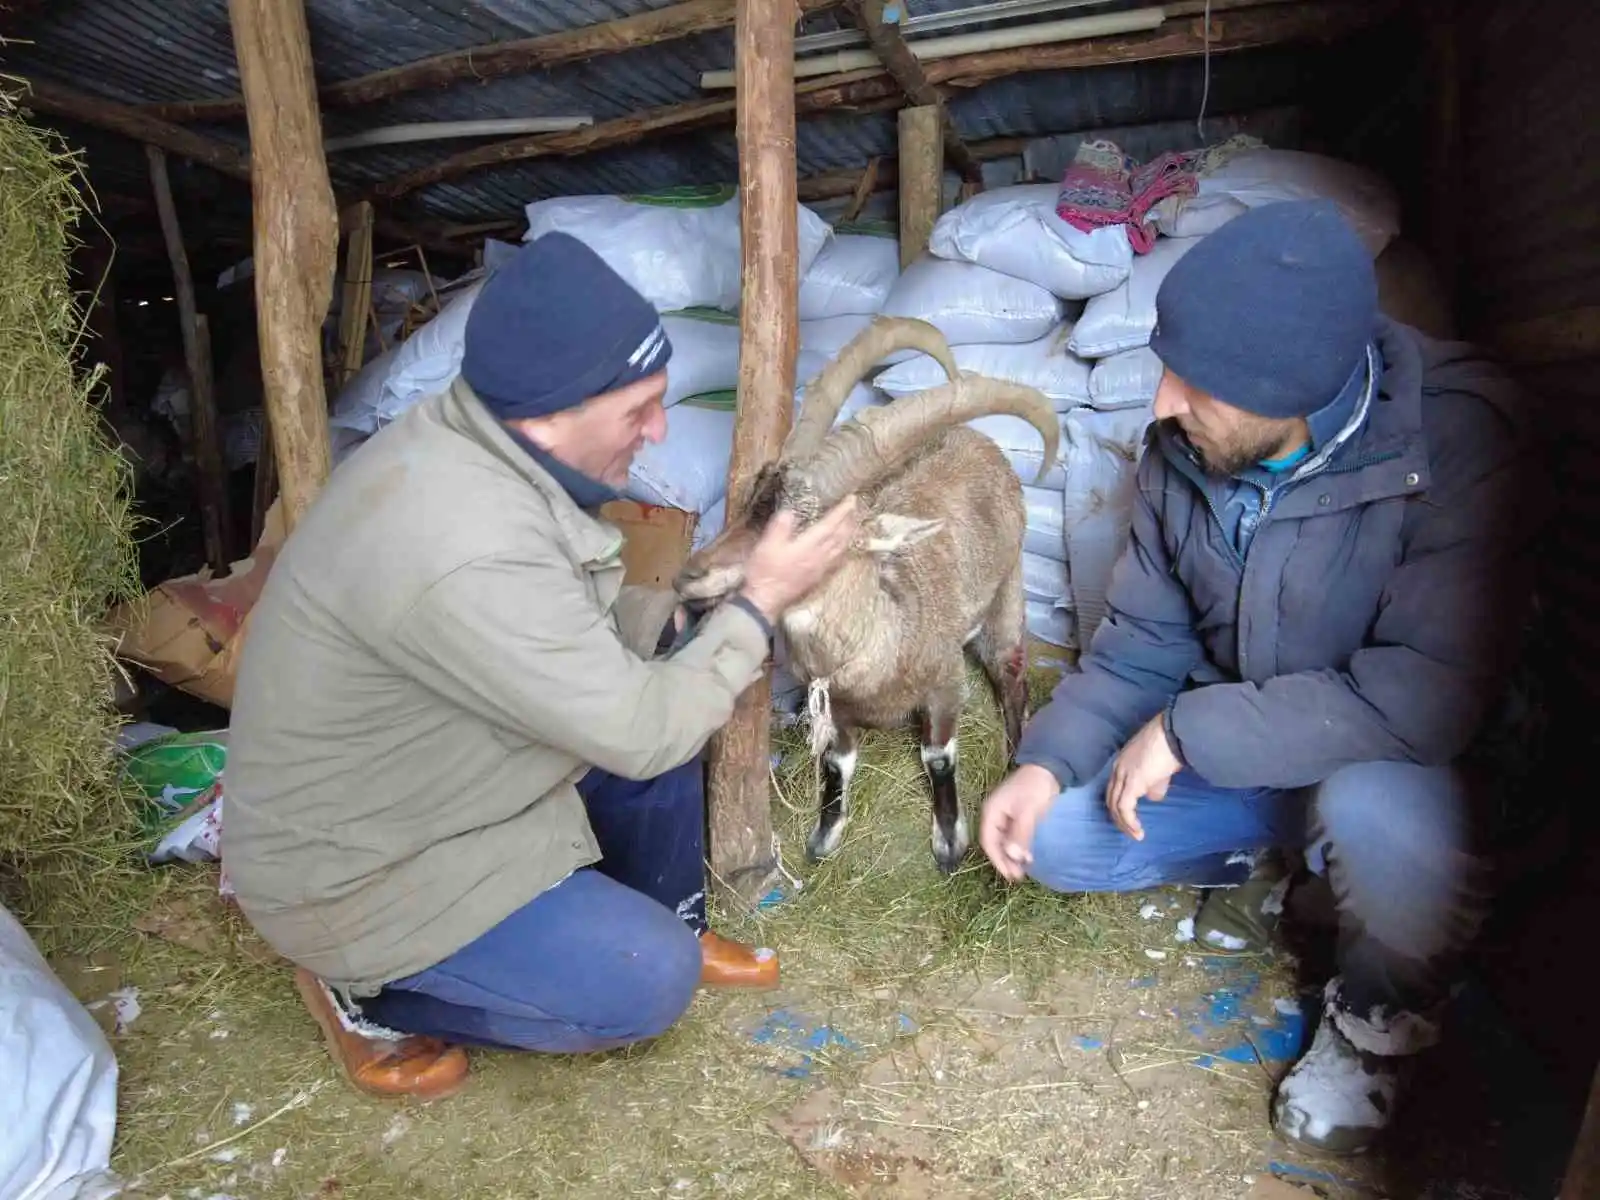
(933, 1038)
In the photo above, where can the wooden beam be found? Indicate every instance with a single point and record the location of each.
(296, 237)
(904, 67)
(477, 64)
(357, 296)
(52, 99)
(1248, 29)
(204, 435)
(769, 338)
(921, 178)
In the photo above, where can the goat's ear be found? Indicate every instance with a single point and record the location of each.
(889, 533)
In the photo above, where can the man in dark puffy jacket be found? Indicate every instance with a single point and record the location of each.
(1315, 616)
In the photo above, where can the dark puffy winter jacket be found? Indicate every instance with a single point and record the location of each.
(1374, 616)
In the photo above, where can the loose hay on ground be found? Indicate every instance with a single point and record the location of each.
(65, 550)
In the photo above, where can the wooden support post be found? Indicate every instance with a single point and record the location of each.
(296, 236)
(906, 69)
(204, 434)
(769, 334)
(921, 178)
(357, 297)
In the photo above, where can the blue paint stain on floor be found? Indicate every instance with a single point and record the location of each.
(1088, 1043)
(789, 1029)
(1231, 1013)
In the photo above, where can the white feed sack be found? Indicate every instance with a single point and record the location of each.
(424, 363)
(851, 276)
(1023, 447)
(705, 353)
(688, 468)
(58, 1101)
(1045, 364)
(971, 305)
(678, 250)
(1016, 231)
(1043, 579)
(1045, 534)
(1103, 450)
(1124, 318)
(1251, 178)
(826, 336)
(1051, 623)
(1126, 380)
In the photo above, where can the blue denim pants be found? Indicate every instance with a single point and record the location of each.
(607, 957)
(1394, 839)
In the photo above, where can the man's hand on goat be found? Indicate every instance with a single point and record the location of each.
(1010, 815)
(1143, 769)
(784, 565)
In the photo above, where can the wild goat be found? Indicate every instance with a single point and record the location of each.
(938, 566)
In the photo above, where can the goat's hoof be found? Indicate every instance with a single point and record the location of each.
(949, 852)
(824, 841)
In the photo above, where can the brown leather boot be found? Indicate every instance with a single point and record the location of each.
(728, 964)
(420, 1067)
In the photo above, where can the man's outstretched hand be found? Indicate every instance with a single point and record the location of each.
(1144, 768)
(1010, 815)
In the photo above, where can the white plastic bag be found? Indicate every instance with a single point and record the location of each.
(852, 275)
(1045, 364)
(1097, 504)
(58, 1103)
(679, 249)
(1043, 578)
(1015, 230)
(1050, 623)
(1124, 319)
(1045, 535)
(1266, 176)
(1125, 380)
(970, 304)
(705, 353)
(710, 524)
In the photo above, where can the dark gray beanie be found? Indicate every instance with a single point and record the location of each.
(1273, 312)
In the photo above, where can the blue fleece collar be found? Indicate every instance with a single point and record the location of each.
(586, 492)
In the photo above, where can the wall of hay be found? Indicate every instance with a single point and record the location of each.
(66, 548)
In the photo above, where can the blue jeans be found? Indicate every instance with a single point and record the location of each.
(1394, 839)
(607, 957)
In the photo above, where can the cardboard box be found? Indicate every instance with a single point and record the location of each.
(655, 540)
(188, 632)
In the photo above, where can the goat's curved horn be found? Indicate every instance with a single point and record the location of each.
(825, 395)
(878, 440)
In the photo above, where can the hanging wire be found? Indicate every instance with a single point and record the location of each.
(1205, 91)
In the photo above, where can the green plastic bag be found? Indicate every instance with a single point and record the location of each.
(173, 770)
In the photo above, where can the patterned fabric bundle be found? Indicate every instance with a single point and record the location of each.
(1104, 186)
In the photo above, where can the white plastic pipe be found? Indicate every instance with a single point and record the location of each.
(929, 49)
(436, 131)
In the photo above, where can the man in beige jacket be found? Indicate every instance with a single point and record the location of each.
(465, 794)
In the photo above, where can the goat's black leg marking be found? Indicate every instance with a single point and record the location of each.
(838, 767)
(939, 760)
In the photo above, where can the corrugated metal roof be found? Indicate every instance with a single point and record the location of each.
(141, 51)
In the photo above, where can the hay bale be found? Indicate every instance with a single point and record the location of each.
(66, 548)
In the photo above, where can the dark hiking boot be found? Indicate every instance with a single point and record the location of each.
(1341, 1095)
(1242, 920)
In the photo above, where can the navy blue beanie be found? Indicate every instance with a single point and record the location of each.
(554, 326)
(1273, 312)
